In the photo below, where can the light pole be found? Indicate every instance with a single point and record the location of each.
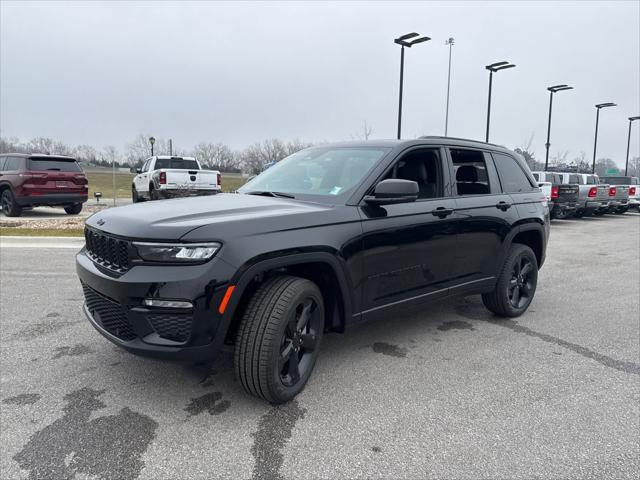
(494, 67)
(152, 140)
(595, 140)
(450, 42)
(626, 163)
(402, 41)
(552, 90)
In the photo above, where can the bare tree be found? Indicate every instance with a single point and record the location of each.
(634, 167)
(12, 145)
(85, 153)
(581, 164)
(559, 159)
(604, 164)
(529, 154)
(366, 132)
(216, 155)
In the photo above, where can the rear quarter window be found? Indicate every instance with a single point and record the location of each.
(512, 176)
(56, 165)
(12, 164)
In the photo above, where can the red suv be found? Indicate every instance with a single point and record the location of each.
(34, 180)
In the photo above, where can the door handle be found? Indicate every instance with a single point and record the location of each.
(504, 206)
(442, 212)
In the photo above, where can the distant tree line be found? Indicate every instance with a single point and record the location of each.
(217, 156)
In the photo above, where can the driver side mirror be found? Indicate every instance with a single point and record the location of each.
(138, 170)
(393, 190)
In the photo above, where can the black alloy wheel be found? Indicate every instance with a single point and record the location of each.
(9, 205)
(521, 286)
(279, 338)
(516, 284)
(299, 342)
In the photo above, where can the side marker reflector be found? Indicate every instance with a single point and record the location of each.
(225, 300)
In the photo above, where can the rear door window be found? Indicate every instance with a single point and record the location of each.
(470, 172)
(591, 180)
(53, 164)
(574, 179)
(512, 176)
(180, 163)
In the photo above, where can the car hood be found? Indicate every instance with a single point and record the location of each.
(172, 219)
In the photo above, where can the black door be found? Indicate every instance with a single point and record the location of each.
(485, 216)
(408, 248)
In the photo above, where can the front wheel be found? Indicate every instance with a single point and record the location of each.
(278, 339)
(516, 284)
(74, 209)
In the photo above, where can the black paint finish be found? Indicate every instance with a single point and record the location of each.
(375, 260)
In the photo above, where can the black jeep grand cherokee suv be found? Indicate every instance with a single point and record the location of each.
(329, 236)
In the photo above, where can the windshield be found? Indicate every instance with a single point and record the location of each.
(56, 164)
(321, 171)
(183, 163)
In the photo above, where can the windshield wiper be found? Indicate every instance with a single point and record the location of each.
(267, 193)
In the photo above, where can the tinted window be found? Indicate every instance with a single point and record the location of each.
(2, 160)
(591, 180)
(536, 176)
(574, 178)
(512, 177)
(12, 163)
(470, 172)
(423, 167)
(176, 163)
(55, 164)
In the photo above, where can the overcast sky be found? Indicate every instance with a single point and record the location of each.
(101, 73)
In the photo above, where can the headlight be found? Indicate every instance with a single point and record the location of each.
(177, 252)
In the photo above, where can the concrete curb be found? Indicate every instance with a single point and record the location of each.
(41, 242)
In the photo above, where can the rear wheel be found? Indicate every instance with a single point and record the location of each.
(74, 209)
(153, 193)
(516, 284)
(134, 194)
(278, 339)
(9, 205)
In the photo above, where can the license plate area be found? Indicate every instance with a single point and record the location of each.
(61, 184)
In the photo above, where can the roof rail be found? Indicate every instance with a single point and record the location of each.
(463, 139)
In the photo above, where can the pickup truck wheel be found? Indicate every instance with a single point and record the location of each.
(278, 339)
(153, 194)
(9, 205)
(516, 284)
(134, 194)
(74, 209)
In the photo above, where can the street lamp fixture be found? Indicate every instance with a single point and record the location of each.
(552, 90)
(152, 140)
(494, 67)
(405, 41)
(451, 43)
(626, 163)
(595, 140)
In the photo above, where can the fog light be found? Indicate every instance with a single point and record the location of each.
(153, 302)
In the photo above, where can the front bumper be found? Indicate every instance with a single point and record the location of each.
(51, 199)
(114, 307)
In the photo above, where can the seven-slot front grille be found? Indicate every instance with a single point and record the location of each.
(110, 315)
(110, 252)
(172, 326)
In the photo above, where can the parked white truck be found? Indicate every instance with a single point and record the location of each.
(167, 177)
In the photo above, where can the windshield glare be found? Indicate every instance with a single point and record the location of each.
(317, 171)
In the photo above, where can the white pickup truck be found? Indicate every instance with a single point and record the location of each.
(167, 177)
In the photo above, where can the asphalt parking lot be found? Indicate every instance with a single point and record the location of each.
(450, 393)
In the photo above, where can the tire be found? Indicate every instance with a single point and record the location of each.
(273, 332)
(9, 205)
(515, 287)
(153, 194)
(74, 209)
(134, 194)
